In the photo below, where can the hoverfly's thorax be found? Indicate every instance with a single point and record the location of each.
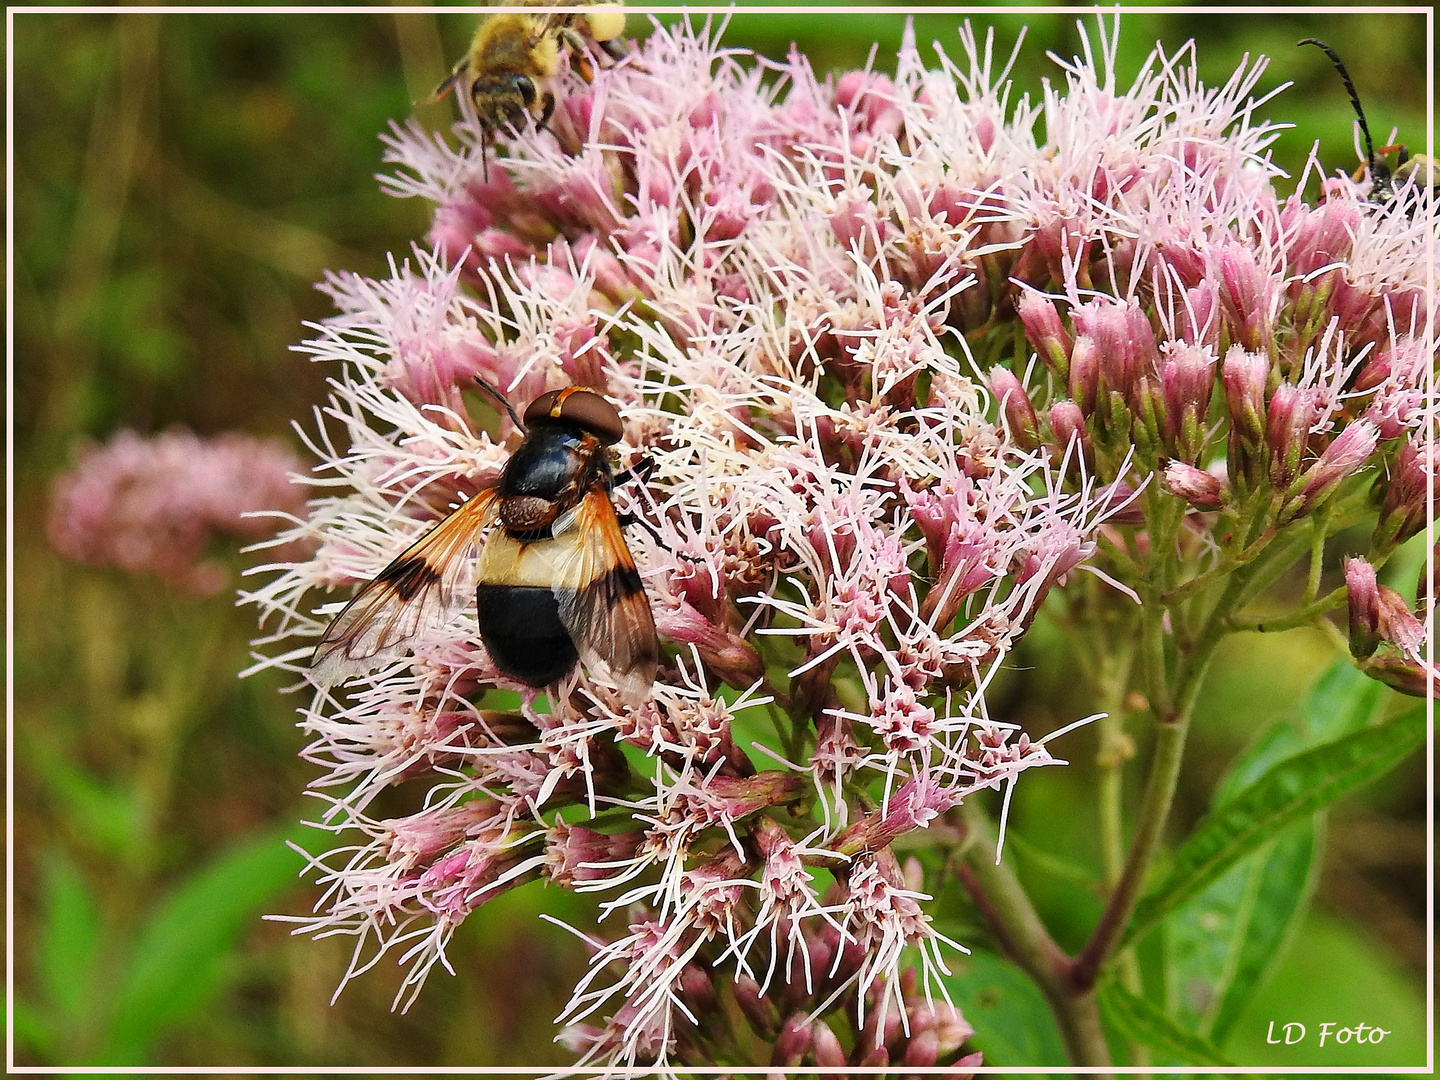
(547, 475)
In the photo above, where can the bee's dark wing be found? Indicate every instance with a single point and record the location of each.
(420, 588)
(602, 600)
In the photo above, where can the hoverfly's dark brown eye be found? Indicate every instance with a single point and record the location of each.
(583, 408)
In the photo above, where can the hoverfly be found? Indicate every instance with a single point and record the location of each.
(556, 584)
(514, 53)
(1421, 168)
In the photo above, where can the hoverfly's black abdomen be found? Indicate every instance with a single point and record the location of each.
(520, 626)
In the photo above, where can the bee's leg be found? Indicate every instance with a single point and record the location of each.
(485, 153)
(579, 54)
(614, 48)
(1396, 148)
(547, 109)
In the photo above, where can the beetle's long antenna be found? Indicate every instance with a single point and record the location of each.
(501, 399)
(1370, 158)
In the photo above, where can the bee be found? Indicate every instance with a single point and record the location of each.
(516, 52)
(556, 584)
(1385, 183)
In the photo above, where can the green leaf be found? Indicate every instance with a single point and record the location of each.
(33, 1030)
(1287, 792)
(109, 816)
(1013, 1024)
(179, 960)
(68, 950)
(1341, 702)
(1281, 899)
(1142, 1022)
(1220, 944)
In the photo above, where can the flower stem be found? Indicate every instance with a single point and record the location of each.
(1007, 908)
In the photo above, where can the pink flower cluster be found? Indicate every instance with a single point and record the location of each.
(786, 284)
(154, 505)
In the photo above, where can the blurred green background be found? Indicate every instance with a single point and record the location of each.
(180, 183)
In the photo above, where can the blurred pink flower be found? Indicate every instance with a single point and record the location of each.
(155, 505)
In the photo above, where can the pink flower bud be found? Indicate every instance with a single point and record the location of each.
(1045, 332)
(828, 1051)
(1323, 236)
(1110, 324)
(1202, 490)
(758, 1009)
(793, 1042)
(1243, 375)
(1187, 378)
(1293, 411)
(969, 1061)
(1085, 373)
(1403, 506)
(1245, 295)
(923, 1049)
(872, 97)
(1376, 370)
(1016, 407)
(1200, 320)
(698, 990)
(1068, 424)
(1342, 459)
(1362, 591)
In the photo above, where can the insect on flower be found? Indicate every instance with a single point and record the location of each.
(1421, 169)
(556, 584)
(514, 53)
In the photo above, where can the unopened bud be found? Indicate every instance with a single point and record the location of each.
(1245, 295)
(1243, 375)
(1085, 373)
(1016, 407)
(828, 1050)
(758, 1009)
(1072, 441)
(698, 990)
(1342, 459)
(1187, 377)
(1363, 592)
(1293, 412)
(1200, 319)
(1202, 490)
(1376, 370)
(1403, 673)
(1045, 332)
(793, 1041)
(1403, 505)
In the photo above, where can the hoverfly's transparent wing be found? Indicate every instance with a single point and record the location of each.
(420, 588)
(602, 600)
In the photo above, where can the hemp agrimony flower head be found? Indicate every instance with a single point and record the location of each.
(788, 287)
(154, 505)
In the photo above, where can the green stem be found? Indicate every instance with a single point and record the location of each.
(1304, 616)
(1174, 704)
(1317, 557)
(1022, 935)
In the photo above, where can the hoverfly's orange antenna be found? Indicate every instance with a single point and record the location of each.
(1379, 171)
